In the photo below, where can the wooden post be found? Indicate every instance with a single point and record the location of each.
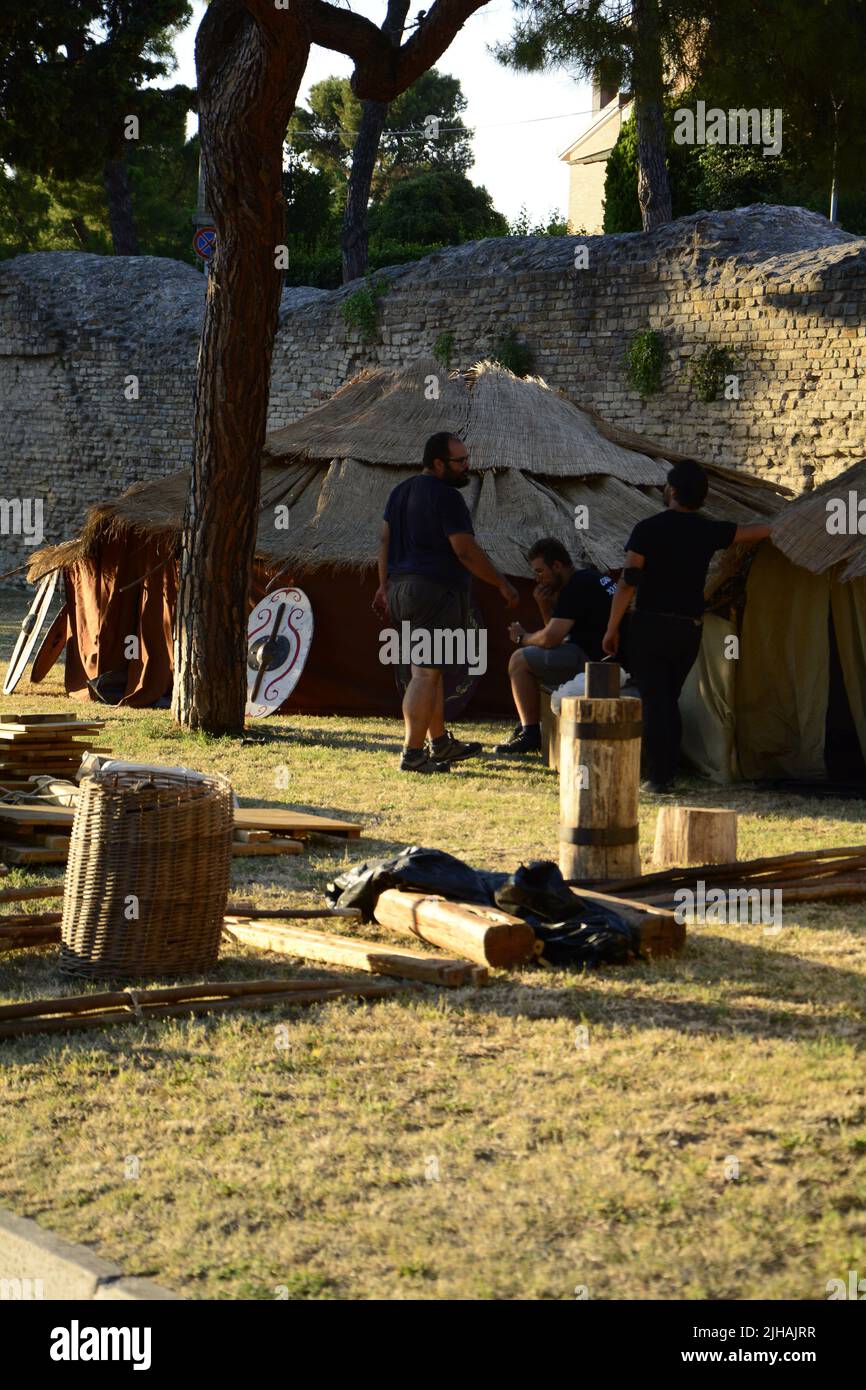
(695, 835)
(599, 784)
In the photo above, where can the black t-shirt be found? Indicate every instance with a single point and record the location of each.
(586, 598)
(677, 548)
(422, 513)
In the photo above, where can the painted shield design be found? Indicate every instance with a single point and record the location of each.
(51, 646)
(279, 634)
(30, 630)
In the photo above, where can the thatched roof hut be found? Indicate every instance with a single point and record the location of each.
(534, 457)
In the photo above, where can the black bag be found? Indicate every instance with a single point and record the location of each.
(573, 932)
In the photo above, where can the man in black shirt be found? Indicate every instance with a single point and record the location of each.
(427, 555)
(667, 558)
(575, 605)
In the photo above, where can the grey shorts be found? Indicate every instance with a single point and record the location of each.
(426, 604)
(552, 666)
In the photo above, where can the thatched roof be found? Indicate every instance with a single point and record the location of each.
(534, 457)
(801, 531)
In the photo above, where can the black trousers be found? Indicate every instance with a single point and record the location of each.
(661, 650)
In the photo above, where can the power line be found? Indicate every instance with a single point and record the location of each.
(442, 129)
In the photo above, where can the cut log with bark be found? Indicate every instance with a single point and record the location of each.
(695, 835)
(359, 955)
(481, 934)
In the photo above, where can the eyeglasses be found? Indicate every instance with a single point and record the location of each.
(464, 458)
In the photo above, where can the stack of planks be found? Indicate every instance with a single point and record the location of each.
(37, 832)
(819, 875)
(43, 743)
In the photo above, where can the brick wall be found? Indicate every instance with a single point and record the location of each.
(780, 287)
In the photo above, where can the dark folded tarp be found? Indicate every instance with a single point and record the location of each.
(573, 932)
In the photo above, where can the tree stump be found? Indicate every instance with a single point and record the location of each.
(599, 779)
(695, 835)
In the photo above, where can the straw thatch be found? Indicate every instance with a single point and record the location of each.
(534, 458)
(801, 531)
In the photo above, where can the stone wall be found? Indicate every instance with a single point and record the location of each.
(97, 354)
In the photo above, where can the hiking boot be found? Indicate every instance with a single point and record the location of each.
(521, 741)
(419, 760)
(449, 749)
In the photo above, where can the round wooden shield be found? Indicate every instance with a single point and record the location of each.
(30, 630)
(51, 646)
(279, 634)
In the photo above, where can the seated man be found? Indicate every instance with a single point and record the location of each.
(575, 608)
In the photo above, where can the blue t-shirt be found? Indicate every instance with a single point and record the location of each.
(422, 513)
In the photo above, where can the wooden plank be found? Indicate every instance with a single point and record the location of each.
(293, 822)
(272, 846)
(26, 853)
(12, 921)
(21, 895)
(360, 955)
(484, 935)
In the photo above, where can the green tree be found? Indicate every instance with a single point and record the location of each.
(325, 133)
(635, 45)
(439, 206)
(74, 95)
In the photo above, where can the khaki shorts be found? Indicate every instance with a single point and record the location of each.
(426, 604)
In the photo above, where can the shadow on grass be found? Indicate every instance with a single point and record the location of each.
(784, 982)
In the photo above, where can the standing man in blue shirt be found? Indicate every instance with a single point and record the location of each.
(427, 555)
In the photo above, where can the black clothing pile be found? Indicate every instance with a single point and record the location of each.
(573, 931)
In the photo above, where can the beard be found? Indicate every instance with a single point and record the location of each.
(456, 479)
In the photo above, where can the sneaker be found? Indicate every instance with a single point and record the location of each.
(454, 750)
(419, 760)
(521, 741)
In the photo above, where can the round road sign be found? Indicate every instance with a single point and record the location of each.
(204, 242)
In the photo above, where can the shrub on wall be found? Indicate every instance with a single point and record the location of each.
(644, 360)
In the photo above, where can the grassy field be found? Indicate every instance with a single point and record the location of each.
(708, 1141)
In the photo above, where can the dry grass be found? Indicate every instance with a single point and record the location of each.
(460, 1144)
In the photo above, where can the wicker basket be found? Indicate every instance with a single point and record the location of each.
(148, 875)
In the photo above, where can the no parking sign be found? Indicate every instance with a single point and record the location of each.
(204, 242)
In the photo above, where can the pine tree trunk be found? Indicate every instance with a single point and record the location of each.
(121, 217)
(247, 90)
(353, 238)
(653, 188)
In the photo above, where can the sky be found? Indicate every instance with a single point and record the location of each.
(522, 121)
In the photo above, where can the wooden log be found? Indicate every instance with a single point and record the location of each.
(26, 853)
(695, 835)
(481, 934)
(361, 955)
(599, 785)
(22, 938)
(659, 932)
